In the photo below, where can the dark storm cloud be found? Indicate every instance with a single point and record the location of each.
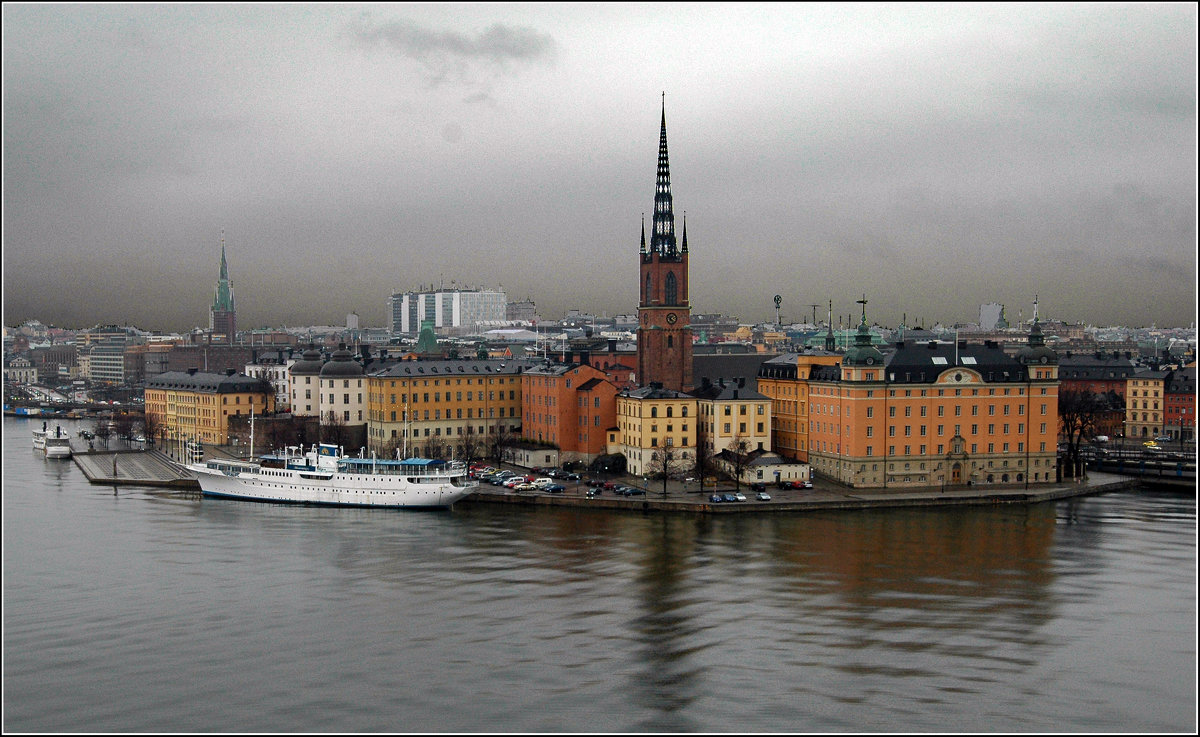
(445, 54)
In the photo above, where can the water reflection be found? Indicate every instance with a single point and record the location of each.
(1077, 615)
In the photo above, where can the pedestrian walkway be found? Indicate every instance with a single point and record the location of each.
(142, 468)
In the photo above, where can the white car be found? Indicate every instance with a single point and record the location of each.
(763, 496)
(739, 496)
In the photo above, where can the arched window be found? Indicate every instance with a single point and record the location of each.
(670, 342)
(647, 299)
(671, 291)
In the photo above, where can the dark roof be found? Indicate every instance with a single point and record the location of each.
(923, 363)
(656, 391)
(208, 383)
(460, 367)
(715, 366)
(1091, 367)
(725, 391)
(1182, 381)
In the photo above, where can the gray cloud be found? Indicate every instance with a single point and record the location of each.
(934, 157)
(446, 55)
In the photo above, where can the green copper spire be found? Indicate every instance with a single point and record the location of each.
(223, 301)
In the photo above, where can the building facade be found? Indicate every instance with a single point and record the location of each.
(732, 417)
(571, 406)
(1180, 400)
(189, 405)
(936, 414)
(656, 426)
(438, 407)
(1145, 400)
(452, 312)
(784, 380)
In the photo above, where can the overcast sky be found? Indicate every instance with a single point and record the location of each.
(932, 157)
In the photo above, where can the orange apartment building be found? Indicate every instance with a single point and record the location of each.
(784, 380)
(572, 406)
(935, 414)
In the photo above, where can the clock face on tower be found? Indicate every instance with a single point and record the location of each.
(672, 317)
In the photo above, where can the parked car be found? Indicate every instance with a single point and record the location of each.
(739, 496)
(758, 486)
(716, 498)
(571, 477)
(544, 481)
(590, 494)
(763, 496)
(728, 498)
(554, 488)
(631, 491)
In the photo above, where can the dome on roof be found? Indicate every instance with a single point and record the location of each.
(1037, 351)
(310, 363)
(341, 363)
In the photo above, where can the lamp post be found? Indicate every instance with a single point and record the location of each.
(666, 463)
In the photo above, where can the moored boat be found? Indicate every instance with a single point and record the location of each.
(323, 475)
(52, 444)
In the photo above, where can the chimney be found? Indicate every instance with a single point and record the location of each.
(612, 345)
(192, 371)
(230, 371)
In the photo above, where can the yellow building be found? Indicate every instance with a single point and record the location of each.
(784, 380)
(190, 405)
(655, 426)
(1145, 405)
(733, 417)
(436, 408)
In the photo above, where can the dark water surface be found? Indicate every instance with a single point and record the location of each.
(136, 609)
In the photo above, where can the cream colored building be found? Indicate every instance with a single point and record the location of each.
(656, 424)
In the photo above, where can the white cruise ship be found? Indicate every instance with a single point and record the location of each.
(324, 476)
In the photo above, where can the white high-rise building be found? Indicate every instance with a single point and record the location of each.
(457, 311)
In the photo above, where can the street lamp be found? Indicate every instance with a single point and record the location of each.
(665, 457)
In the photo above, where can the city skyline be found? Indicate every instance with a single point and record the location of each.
(822, 152)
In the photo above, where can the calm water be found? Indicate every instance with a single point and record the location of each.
(135, 609)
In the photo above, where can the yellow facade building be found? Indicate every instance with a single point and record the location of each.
(436, 408)
(190, 405)
(655, 426)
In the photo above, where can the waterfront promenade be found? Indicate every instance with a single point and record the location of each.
(153, 468)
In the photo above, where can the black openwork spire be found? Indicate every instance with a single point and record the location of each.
(662, 241)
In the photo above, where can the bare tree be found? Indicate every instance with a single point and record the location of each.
(1079, 414)
(333, 428)
(499, 441)
(471, 447)
(738, 455)
(103, 431)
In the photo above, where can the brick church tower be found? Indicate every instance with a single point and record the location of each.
(664, 334)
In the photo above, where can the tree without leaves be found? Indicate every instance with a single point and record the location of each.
(1079, 414)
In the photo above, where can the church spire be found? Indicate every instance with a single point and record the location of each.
(662, 240)
(223, 300)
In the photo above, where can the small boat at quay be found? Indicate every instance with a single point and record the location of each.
(55, 444)
(324, 475)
